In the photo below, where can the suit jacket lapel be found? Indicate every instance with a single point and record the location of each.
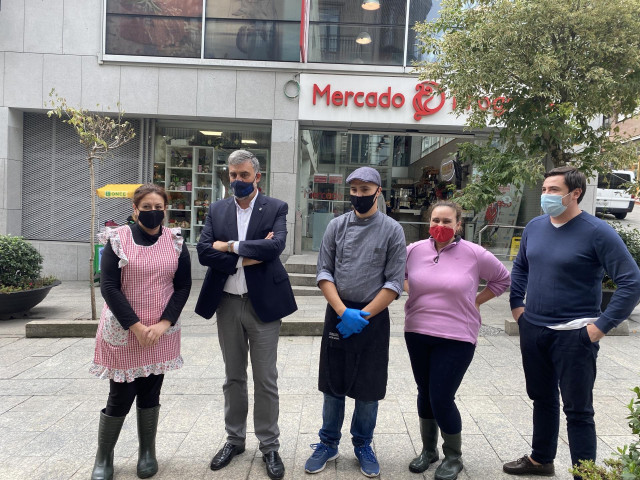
(256, 216)
(231, 220)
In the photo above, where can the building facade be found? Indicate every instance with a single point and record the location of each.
(314, 88)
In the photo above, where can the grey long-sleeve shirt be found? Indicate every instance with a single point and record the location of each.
(361, 256)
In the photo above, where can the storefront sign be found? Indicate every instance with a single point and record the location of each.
(447, 170)
(335, 179)
(394, 100)
(320, 179)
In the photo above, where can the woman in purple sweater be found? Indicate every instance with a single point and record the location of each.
(442, 320)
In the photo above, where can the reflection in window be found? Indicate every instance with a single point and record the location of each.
(343, 32)
(253, 30)
(419, 11)
(162, 28)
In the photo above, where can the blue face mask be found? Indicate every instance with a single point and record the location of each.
(241, 189)
(552, 204)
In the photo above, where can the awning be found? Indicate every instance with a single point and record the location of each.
(118, 190)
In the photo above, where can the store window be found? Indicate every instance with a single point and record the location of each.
(159, 28)
(411, 177)
(190, 161)
(253, 30)
(344, 32)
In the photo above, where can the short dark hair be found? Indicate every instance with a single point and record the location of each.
(573, 178)
(144, 190)
(446, 203)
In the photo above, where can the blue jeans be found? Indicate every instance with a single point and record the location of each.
(563, 360)
(363, 421)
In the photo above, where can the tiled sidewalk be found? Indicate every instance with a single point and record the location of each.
(49, 404)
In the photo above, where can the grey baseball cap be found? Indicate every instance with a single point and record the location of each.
(365, 174)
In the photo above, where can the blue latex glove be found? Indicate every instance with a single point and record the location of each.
(352, 322)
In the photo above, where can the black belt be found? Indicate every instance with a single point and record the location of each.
(235, 295)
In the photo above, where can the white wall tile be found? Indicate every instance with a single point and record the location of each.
(216, 93)
(285, 108)
(23, 80)
(64, 73)
(177, 91)
(43, 26)
(82, 27)
(283, 131)
(283, 157)
(100, 85)
(13, 176)
(60, 259)
(13, 222)
(3, 181)
(12, 26)
(14, 143)
(1, 78)
(139, 89)
(255, 94)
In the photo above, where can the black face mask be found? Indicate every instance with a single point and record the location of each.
(150, 218)
(363, 204)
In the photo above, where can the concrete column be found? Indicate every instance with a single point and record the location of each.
(284, 145)
(11, 131)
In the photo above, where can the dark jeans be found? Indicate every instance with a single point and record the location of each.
(439, 364)
(146, 391)
(363, 421)
(564, 359)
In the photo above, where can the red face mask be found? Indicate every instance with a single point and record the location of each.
(441, 234)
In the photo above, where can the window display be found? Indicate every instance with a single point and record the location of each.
(193, 169)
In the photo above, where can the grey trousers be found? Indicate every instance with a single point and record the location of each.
(240, 332)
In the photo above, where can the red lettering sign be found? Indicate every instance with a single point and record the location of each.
(427, 100)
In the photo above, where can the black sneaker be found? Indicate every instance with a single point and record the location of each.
(524, 466)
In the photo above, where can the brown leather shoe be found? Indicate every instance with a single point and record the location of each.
(225, 455)
(524, 466)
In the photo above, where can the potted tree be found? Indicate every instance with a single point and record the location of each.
(631, 238)
(21, 286)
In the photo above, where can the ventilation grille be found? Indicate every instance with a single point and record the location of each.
(56, 201)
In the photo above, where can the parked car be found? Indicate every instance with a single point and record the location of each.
(612, 196)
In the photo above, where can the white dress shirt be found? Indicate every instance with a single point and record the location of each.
(236, 283)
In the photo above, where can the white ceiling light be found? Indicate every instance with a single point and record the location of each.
(249, 142)
(371, 4)
(210, 133)
(363, 38)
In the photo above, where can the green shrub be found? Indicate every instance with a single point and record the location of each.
(627, 465)
(631, 238)
(20, 263)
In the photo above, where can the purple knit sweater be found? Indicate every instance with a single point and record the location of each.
(442, 292)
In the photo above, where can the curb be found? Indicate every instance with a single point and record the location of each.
(88, 328)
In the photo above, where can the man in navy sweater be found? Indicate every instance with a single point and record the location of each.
(562, 259)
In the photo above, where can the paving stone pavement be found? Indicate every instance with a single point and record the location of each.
(49, 403)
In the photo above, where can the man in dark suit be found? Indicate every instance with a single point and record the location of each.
(249, 290)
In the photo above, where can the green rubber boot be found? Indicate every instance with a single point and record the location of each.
(147, 427)
(429, 454)
(452, 463)
(108, 433)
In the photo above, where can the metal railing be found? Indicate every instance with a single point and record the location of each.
(495, 225)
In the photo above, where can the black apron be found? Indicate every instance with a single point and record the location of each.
(356, 366)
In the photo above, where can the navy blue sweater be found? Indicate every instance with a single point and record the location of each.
(561, 269)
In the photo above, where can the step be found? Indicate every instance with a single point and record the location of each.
(302, 263)
(306, 291)
(302, 279)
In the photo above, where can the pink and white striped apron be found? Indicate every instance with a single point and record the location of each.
(147, 283)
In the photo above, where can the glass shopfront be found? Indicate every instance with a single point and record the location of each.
(409, 167)
(190, 162)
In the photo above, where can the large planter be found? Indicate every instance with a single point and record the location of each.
(16, 304)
